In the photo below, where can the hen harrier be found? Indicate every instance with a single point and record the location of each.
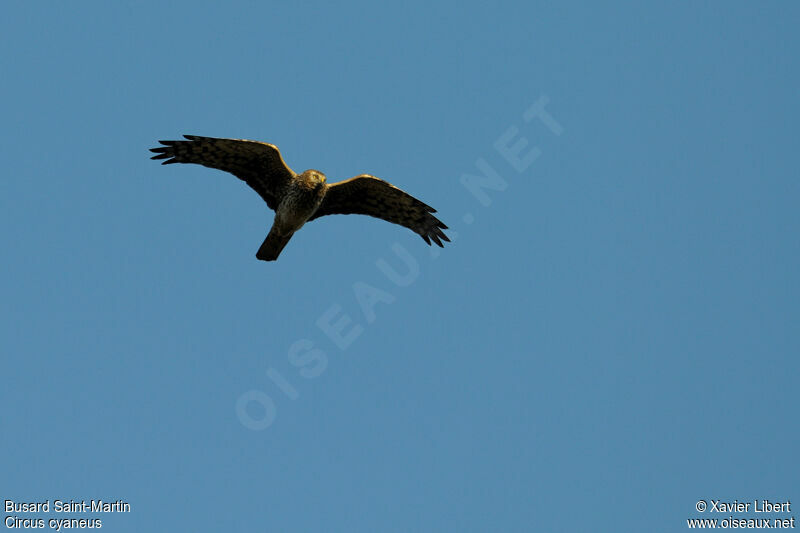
(298, 198)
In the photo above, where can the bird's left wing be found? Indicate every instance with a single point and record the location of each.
(368, 195)
(258, 164)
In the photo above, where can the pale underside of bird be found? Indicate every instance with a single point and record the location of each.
(298, 198)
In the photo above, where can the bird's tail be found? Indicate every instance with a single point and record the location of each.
(272, 245)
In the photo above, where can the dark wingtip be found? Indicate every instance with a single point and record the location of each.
(191, 137)
(168, 162)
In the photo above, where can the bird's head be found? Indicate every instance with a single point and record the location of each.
(315, 177)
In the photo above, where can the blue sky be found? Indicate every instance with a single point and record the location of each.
(611, 337)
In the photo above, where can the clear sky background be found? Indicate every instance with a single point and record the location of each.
(611, 339)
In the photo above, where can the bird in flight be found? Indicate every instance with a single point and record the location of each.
(298, 198)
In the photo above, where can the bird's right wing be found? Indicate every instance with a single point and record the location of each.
(258, 164)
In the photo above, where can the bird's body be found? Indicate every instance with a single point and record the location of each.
(298, 198)
(301, 199)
